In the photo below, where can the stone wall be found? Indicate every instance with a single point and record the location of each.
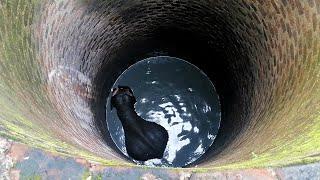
(58, 60)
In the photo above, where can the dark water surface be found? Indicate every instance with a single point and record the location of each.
(178, 96)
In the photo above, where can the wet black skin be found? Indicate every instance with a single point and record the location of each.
(144, 140)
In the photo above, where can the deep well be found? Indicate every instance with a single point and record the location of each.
(58, 60)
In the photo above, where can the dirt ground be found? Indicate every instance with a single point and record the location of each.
(18, 161)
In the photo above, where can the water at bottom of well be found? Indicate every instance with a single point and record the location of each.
(178, 96)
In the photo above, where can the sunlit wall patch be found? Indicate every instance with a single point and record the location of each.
(178, 96)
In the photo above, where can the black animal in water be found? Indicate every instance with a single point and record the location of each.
(144, 140)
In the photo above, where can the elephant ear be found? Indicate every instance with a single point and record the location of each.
(113, 92)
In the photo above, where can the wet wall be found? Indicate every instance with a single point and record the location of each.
(58, 58)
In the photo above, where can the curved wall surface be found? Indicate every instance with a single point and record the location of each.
(59, 59)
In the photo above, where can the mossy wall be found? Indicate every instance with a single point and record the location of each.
(53, 55)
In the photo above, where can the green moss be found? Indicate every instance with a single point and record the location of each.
(24, 102)
(22, 95)
(86, 174)
(33, 177)
(98, 177)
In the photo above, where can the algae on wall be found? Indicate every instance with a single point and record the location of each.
(285, 126)
(24, 106)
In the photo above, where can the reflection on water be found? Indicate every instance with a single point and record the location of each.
(179, 97)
